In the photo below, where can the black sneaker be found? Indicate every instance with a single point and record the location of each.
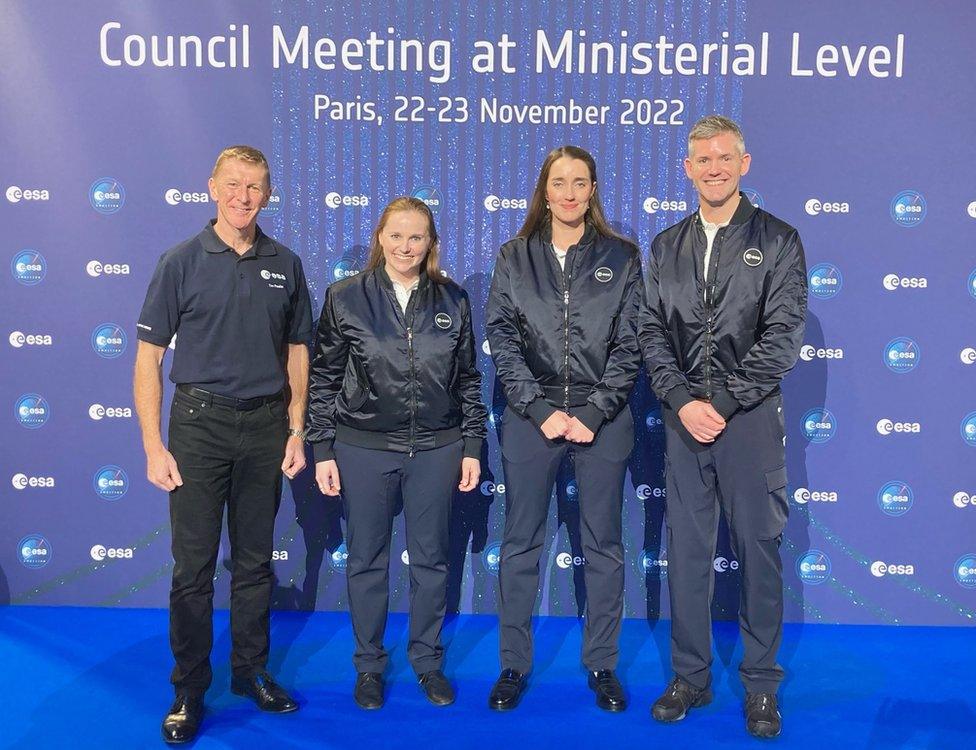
(762, 715)
(673, 705)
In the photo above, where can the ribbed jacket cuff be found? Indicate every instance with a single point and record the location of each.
(678, 397)
(590, 416)
(724, 403)
(539, 411)
(472, 447)
(323, 451)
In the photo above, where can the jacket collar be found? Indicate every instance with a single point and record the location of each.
(743, 212)
(213, 244)
(387, 282)
(589, 235)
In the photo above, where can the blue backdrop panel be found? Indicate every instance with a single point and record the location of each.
(859, 123)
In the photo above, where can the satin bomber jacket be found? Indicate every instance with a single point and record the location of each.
(730, 340)
(566, 339)
(389, 380)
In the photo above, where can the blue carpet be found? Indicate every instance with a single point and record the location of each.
(97, 678)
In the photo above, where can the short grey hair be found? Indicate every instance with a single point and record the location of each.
(713, 125)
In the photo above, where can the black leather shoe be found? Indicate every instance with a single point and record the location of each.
(677, 699)
(762, 715)
(183, 720)
(436, 687)
(609, 692)
(369, 690)
(507, 692)
(263, 690)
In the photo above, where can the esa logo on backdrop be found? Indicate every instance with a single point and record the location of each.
(654, 421)
(895, 499)
(345, 268)
(99, 553)
(755, 198)
(177, 197)
(825, 281)
(565, 560)
(16, 194)
(968, 356)
(879, 569)
(108, 340)
(32, 411)
(815, 207)
(98, 412)
(19, 339)
(813, 567)
(22, 482)
(968, 429)
(652, 205)
(340, 557)
(96, 268)
(646, 492)
(908, 208)
(971, 283)
(818, 425)
(893, 281)
(430, 195)
(334, 200)
(489, 488)
(107, 196)
(110, 482)
(809, 353)
(887, 426)
(724, 565)
(650, 563)
(275, 202)
(28, 267)
(802, 496)
(960, 499)
(902, 355)
(491, 557)
(965, 571)
(572, 491)
(495, 417)
(494, 203)
(34, 551)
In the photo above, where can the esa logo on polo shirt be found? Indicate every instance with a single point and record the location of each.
(272, 277)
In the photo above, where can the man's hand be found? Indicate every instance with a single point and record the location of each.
(701, 420)
(579, 432)
(470, 474)
(161, 469)
(557, 425)
(327, 477)
(294, 457)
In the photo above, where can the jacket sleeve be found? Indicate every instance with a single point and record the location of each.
(610, 395)
(474, 415)
(779, 336)
(667, 379)
(522, 390)
(327, 372)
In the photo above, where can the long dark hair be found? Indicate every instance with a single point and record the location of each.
(539, 215)
(406, 203)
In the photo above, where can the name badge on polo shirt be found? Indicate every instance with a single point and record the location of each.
(272, 277)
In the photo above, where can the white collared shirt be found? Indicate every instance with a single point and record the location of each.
(403, 292)
(710, 231)
(560, 256)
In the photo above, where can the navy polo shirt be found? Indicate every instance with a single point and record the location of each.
(235, 314)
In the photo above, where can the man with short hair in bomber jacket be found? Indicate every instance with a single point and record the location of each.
(723, 323)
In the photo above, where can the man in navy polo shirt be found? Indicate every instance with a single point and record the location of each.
(239, 302)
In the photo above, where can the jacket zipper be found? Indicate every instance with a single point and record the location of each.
(710, 307)
(566, 280)
(413, 373)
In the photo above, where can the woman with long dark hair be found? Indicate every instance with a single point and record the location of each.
(395, 407)
(562, 327)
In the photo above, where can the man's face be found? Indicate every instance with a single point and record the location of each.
(715, 166)
(240, 189)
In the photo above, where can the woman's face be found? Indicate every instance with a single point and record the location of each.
(569, 189)
(405, 239)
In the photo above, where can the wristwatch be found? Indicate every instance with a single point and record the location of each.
(300, 434)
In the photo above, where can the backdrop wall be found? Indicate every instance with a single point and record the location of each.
(860, 125)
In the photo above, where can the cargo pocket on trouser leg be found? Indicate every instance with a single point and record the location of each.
(774, 521)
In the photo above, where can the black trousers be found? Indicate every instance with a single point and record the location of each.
(231, 458)
(743, 475)
(372, 480)
(530, 463)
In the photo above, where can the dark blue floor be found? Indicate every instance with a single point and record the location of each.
(97, 678)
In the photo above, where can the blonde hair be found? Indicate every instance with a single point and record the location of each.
(406, 203)
(243, 153)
